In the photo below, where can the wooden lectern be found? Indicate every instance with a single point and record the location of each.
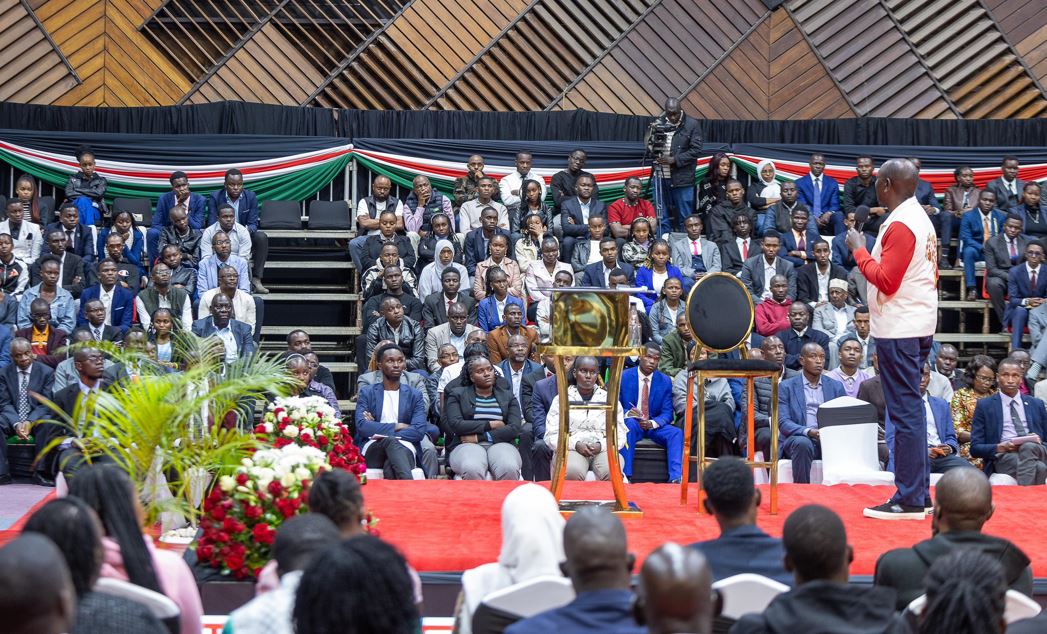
(591, 322)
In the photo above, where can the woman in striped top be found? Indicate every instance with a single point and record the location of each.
(484, 421)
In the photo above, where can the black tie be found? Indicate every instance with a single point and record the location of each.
(1019, 428)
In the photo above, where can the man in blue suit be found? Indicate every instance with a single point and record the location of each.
(1004, 417)
(800, 398)
(842, 255)
(976, 227)
(235, 335)
(732, 498)
(821, 194)
(647, 398)
(597, 273)
(195, 205)
(477, 240)
(798, 243)
(245, 204)
(379, 433)
(942, 447)
(575, 213)
(120, 307)
(1026, 288)
(799, 333)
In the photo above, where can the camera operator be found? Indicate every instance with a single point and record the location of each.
(675, 142)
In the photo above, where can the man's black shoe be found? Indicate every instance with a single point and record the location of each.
(894, 511)
(40, 479)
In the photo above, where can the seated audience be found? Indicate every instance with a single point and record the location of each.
(736, 251)
(94, 323)
(23, 386)
(374, 375)
(14, 273)
(491, 309)
(430, 280)
(454, 332)
(538, 393)
(129, 555)
(245, 205)
(677, 347)
(36, 590)
(128, 274)
(78, 236)
(512, 325)
(1026, 288)
(478, 241)
(194, 204)
(942, 448)
(239, 236)
(576, 211)
(46, 340)
(966, 593)
(393, 279)
(235, 334)
(812, 279)
(337, 591)
(68, 456)
(533, 230)
(670, 305)
(160, 294)
(675, 593)
(861, 189)
(541, 273)
(772, 314)
(397, 326)
(207, 275)
(133, 249)
(368, 214)
(841, 253)
(587, 252)
(135, 343)
(834, 317)
(299, 369)
(849, 372)
(185, 238)
(427, 246)
(182, 276)
(797, 244)
(980, 383)
(1003, 252)
(765, 190)
(65, 373)
(387, 234)
(821, 194)
(85, 190)
(711, 189)
(1030, 208)
(498, 248)
(1007, 187)
(733, 499)
(484, 422)
(1007, 416)
(646, 397)
(422, 204)
(817, 553)
(801, 397)
(694, 255)
(978, 226)
(471, 210)
(945, 368)
(757, 271)
(532, 547)
(161, 334)
(229, 284)
(298, 342)
(600, 568)
(390, 418)
(720, 428)
(654, 272)
(962, 506)
(771, 349)
(622, 213)
(721, 218)
(61, 304)
(434, 309)
(25, 234)
(598, 273)
(563, 183)
(587, 443)
(543, 314)
(74, 274)
(74, 529)
(779, 216)
(799, 334)
(637, 248)
(299, 541)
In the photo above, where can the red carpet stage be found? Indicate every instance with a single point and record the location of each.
(446, 526)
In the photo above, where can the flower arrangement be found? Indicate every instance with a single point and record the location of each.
(310, 422)
(242, 512)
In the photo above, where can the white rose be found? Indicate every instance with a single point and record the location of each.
(302, 473)
(296, 415)
(288, 480)
(268, 427)
(290, 431)
(227, 483)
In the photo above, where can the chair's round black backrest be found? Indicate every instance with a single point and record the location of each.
(720, 312)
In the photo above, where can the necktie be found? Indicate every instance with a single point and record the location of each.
(23, 396)
(694, 247)
(817, 196)
(450, 303)
(645, 394)
(745, 249)
(985, 228)
(801, 244)
(1019, 428)
(1014, 252)
(70, 234)
(1032, 282)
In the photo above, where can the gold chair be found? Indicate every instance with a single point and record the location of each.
(720, 315)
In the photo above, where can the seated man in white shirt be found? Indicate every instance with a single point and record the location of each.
(239, 236)
(234, 334)
(243, 303)
(469, 215)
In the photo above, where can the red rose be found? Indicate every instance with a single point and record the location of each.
(322, 440)
(218, 513)
(241, 479)
(235, 563)
(275, 488)
(278, 411)
(285, 420)
(252, 512)
(263, 534)
(204, 553)
(222, 537)
(259, 428)
(231, 525)
(287, 507)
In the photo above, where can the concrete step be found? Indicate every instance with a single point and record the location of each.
(308, 264)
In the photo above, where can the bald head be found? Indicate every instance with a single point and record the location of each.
(896, 181)
(36, 591)
(962, 501)
(596, 550)
(676, 591)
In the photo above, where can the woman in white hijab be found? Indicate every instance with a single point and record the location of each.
(429, 281)
(765, 191)
(532, 546)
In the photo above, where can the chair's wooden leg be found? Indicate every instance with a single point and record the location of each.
(688, 419)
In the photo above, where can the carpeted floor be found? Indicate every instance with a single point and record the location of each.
(444, 526)
(17, 501)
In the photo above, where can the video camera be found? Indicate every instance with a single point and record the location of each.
(658, 136)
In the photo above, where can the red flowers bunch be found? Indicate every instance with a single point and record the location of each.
(310, 422)
(242, 513)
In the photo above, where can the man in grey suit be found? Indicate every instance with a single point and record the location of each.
(835, 317)
(453, 332)
(235, 335)
(1001, 252)
(758, 270)
(694, 255)
(1008, 187)
(773, 350)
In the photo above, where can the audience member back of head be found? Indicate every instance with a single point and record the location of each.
(966, 594)
(36, 591)
(676, 592)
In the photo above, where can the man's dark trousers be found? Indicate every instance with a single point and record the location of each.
(901, 362)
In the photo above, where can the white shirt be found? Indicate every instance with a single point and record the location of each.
(107, 301)
(657, 279)
(1009, 430)
(469, 214)
(932, 430)
(594, 251)
(842, 319)
(391, 407)
(229, 341)
(514, 181)
(243, 306)
(640, 378)
(517, 379)
(585, 209)
(744, 251)
(380, 206)
(183, 312)
(769, 271)
(823, 283)
(239, 238)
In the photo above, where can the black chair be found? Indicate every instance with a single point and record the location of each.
(46, 207)
(140, 208)
(720, 315)
(281, 214)
(329, 215)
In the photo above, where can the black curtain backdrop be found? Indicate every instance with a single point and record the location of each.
(579, 125)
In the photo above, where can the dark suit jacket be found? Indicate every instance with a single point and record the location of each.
(871, 391)
(841, 254)
(412, 307)
(527, 392)
(541, 400)
(1005, 199)
(109, 333)
(83, 244)
(72, 267)
(123, 309)
(459, 416)
(41, 378)
(789, 244)
(592, 274)
(434, 308)
(475, 252)
(987, 425)
(529, 368)
(731, 258)
(373, 248)
(244, 342)
(1018, 287)
(792, 414)
(249, 209)
(197, 209)
(56, 338)
(830, 192)
(752, 275)
(793, 344)
(412, 412)
(807, 280)
(745, 549)
(998, 256)
(571, 208)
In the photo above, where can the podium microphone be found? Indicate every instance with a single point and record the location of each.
(861, 216)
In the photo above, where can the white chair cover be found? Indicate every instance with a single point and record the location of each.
(785, 471)
(747, 594)
(1018, 606)
(158, 605)
(532, 596)
(849, 455)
